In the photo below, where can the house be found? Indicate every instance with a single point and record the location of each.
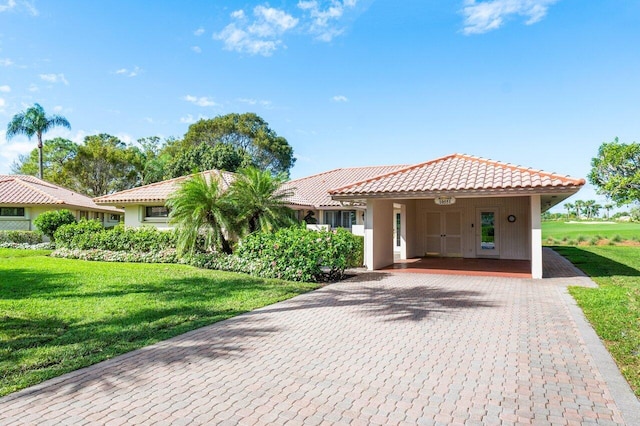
(145, 205)
(311, 198)
(454, 206)
(457, 206)
(23, 198)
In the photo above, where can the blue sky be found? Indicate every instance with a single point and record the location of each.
(539, 83)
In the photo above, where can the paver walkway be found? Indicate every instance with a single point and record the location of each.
(381, 348)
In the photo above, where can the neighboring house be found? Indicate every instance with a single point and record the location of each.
(457, 206)
(311, 194)
(23, 198)
(145, 205)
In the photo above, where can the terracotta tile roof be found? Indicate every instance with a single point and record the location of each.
(157, 192)
(457, 173)
(25, 190)
(313, 191)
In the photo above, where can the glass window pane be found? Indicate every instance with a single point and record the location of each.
(488, 231)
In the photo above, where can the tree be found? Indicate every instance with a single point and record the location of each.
(34, 121)
(55, 154)
(200, 207)
(579, 205)
(259, 200)
(608, 207)
(588, 208)
(247, 133)
(104, 164)
(616, 171)
(595, 209)
(206, 157)
(569, 207)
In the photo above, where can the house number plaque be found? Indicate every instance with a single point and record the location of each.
(445, 201)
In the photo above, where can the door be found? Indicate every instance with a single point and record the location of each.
(487, 233)
(397, 231)
(444, 234)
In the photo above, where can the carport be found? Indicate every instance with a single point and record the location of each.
(458, 206)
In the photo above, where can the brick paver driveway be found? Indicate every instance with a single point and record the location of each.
(378, 349)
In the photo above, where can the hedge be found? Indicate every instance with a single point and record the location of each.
(21, 237)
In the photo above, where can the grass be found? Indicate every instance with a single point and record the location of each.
(58, 315)
(614, 308)
(561, 231)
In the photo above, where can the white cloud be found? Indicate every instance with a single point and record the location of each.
(198, 32)
(30, 8)
(5, 89)
(54, 78)
(258, 36)
(484, 16)
(196, 49)
(10, 4)
(250, 101)
(58, 108)
(2, 103)
(188, 119)
(33, 88)
(127, 72)
(340, 98)
(124, 137)
(6, 62)
(202, 101)
(149, 120)
(324, 17)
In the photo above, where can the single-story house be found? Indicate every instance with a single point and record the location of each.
(145, 205)
(454, 206)
(23, 198)
(457, 206)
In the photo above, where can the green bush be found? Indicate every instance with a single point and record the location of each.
(160, 256)
(49, 222)
(299, 254)
(21, 237)
(617, 238)
(87, 236)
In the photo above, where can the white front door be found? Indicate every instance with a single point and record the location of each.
(444, 234)
(487, 232)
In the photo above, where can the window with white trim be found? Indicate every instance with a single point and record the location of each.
(12, 211)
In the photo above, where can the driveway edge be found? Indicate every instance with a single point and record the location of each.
(621, 392)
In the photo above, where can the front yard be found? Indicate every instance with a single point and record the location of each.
(614, 308)
(58, 315)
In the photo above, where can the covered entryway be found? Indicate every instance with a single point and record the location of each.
(458, 206)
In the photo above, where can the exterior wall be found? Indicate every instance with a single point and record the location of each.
(513, 238)
(378, 234)
(30, 213)
(134, 216)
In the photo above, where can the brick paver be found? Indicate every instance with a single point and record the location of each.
(381, 348)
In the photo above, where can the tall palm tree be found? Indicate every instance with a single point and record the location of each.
(608, 207)
(579, 205)
(259, 200)
(34, 121)
(569, 207)
(200, 207)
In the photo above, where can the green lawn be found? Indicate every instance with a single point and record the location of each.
(573, 231)
(58, 315)
(614, 308)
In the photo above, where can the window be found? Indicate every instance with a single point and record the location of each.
(156, 211)
(340, 218)
(12, 211)
(84, 214)
(114, 217)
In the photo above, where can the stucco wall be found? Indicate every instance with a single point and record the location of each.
(134, 216)
(30, 213)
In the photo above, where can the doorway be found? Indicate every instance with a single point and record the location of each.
(444, 234)
(487, 232)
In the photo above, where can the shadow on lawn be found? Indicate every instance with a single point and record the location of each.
(25, 283)
(595, 265)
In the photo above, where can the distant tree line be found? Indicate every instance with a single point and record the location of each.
(104, 164)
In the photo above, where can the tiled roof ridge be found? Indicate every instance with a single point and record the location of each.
(343, 168)
(38, 190)
(163, 182)
(19, 178)
(577, 181)
(384, 175)
(463, 156)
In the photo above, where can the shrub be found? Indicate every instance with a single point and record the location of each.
(594, 241)
(21, 237)
(617, 238)
(160, 256)
(49, 222)
(300, 254)
(88, 236)
(582, 238)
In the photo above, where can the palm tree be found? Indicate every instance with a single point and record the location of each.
(588, 208)
(579, 205)
(569, 207)
(200, 207)
(595, 209)
(260, 201)
(34, 121)
(608, 207)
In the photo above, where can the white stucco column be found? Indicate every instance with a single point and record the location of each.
(378, 234)
(536, 238)
(403, 231)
